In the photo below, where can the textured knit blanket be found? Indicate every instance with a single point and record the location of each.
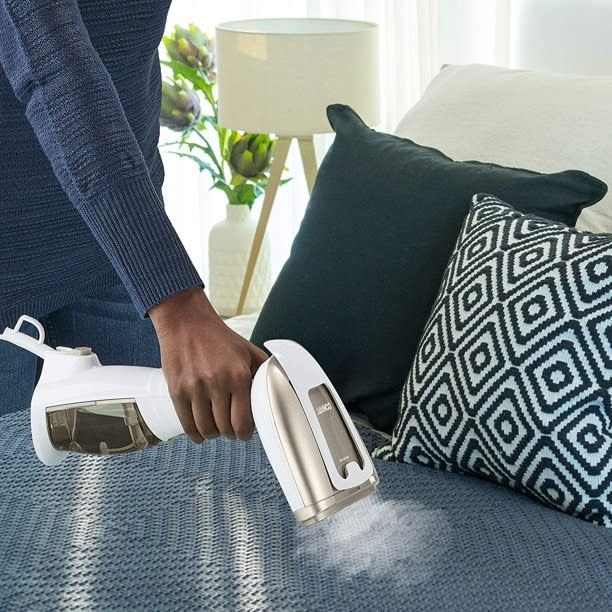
(188, 527)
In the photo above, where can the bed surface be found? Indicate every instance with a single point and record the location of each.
(207, 527)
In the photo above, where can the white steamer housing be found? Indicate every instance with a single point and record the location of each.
(309, 438)
(73, 376)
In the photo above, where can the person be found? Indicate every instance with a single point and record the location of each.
(85, 244)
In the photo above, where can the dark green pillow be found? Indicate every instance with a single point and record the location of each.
(367, 261)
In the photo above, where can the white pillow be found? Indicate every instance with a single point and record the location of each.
(535, 120)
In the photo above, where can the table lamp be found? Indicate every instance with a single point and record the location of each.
(277, 76)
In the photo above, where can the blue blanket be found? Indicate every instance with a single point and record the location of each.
(184, 527)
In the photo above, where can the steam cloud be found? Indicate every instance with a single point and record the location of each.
(400, 538)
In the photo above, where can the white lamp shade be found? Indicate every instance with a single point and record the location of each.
(278, 75)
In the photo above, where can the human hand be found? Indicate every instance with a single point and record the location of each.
(208, 367)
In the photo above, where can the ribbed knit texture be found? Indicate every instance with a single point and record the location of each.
(80, 173)
(206, 527)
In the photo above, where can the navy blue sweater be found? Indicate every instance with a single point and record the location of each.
(80, 173)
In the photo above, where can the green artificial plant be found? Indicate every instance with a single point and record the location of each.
(238, 163)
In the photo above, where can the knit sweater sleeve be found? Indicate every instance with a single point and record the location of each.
(77, 116)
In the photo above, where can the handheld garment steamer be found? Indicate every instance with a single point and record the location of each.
(313, 446)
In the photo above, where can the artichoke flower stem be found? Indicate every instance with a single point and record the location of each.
(281, 149)
(211, 153)
(210, 99)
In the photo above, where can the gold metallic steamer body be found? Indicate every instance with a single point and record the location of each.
(320, 497)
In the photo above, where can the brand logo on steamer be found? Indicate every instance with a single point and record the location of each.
(324, 408)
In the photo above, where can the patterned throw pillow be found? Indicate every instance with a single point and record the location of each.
(512, 380)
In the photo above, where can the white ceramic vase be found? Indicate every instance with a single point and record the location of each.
(229, 246)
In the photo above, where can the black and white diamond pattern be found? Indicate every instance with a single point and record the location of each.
(512, 380)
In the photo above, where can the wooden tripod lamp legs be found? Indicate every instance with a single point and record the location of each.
(281, 150)
(276, 169)
(309, 160)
